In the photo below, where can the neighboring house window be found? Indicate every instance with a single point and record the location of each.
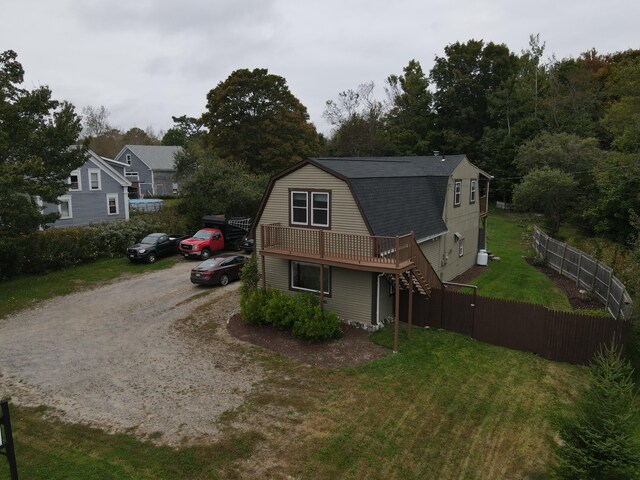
(75, 181)
(128, 159)
(472, 191)
(457, 193)
(319, 209)
(461, 247)
(299, 208)
(306, 276)
(64, 207)
(95, 182)
(174, 186)
(310, 208)
(112, 204)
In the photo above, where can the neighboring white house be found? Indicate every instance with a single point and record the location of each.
(97, 193)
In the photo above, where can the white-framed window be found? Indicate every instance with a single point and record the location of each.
(457, 192)
(95, 180)
(75, 181)
(299, 208)
(112, 204)
(128, 157)
(472, 190)
(320, 209)
(306, 277)
(461, 247)
(65, 207)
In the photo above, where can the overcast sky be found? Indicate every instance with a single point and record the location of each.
(146, 60)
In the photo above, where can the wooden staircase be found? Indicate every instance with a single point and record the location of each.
(421, 277)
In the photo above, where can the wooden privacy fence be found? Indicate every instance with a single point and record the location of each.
(560, 336)
(587, 272)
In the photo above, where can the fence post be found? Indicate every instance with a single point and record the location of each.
(579, 268)
(9, 451)
(620, 312)
(595, 275)
(606, 305)
(546, 246)
(564, 253)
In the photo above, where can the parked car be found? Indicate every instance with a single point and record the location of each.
(220, 270)
(153, 246)
(247, 244)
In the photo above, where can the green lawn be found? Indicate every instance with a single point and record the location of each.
(27, 290)
(511, 277)
(444, 407)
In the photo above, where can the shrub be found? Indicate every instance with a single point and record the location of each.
(253, 306)
(598, 437)
(318, 325)
(281, 311)
(250, 276)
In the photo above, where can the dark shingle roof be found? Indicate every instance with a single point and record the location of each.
(398, 194)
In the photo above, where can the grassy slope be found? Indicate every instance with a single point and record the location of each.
(512, 278)
(26, 291)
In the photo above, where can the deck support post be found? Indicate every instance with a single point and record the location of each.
(397, 315)
(321, 286)
(410, 315)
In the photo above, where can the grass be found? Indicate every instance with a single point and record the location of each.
(444, 407)
(512, 278)
(26, 291)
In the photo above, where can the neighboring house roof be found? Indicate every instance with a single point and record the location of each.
(396, 195)
(156, 157)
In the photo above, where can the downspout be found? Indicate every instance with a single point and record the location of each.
(378, 300)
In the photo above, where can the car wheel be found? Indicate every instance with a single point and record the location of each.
(205, 254)
(224, 280)
(151, 258)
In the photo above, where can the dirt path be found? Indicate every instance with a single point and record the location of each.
(118, 357)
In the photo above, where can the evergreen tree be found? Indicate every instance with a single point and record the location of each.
(599, 438)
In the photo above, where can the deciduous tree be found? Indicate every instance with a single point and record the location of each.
(253, 118)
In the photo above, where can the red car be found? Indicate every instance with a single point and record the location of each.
(220, 270)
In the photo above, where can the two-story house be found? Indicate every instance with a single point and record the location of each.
(352, 229)
(150, 168)
(97, 193)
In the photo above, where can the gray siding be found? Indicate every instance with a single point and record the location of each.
(90, 206)
(152, 182)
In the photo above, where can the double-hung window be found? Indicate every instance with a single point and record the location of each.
(112, 204)
(472, 190)
(299, 208)
(319, 209)
(75, 181)
(310, 208)
(457, 192)
(95, 182)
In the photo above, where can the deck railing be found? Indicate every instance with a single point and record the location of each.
(337, 246)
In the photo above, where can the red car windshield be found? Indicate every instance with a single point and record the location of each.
(202, 235)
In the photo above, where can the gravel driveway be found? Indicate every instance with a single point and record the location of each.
(124, 356)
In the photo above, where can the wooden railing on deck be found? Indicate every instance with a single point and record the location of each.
(423, 266)
(340, 246)
(483, 205)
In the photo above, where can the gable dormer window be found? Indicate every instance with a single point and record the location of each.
(472, 190)
(457, 193)
(95, 182)
(75, 181)
(128, 159)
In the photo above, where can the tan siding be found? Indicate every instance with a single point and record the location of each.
(464, 219)
(350, 289)
(431, 250)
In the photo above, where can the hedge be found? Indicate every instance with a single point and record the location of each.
(58, 248)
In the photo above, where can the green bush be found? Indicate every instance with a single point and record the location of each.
(58, 248)
(253, 306)
(318, 325)
(299, 313)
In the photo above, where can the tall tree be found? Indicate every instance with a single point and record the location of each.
(253, 118)
(410, 120)
(357, 118)
(36, 155)
(185, 129)
(464, 79)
